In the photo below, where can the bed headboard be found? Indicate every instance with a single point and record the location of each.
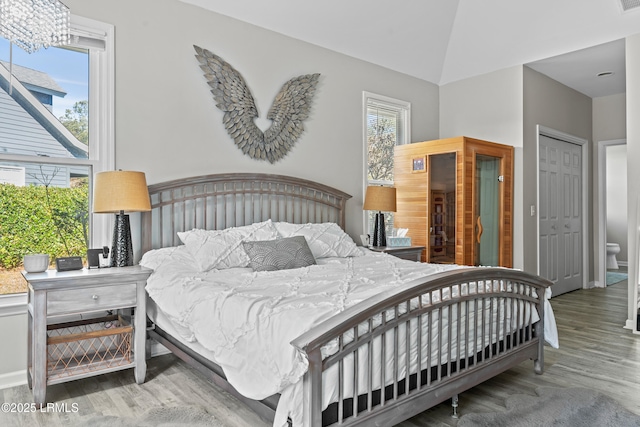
(219, 201)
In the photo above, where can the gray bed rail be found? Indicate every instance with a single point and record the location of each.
(489, 329)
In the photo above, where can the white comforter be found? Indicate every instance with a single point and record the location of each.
(248, 319)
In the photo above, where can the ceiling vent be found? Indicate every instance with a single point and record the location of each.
(629, 4)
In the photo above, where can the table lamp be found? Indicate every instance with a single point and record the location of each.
(379, 198)
(119, 192)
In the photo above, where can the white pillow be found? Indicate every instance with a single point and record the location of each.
(157, 257)
(325, 240)
(222, 249)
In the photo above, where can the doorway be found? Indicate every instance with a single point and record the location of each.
(605, 175)
(562, 212)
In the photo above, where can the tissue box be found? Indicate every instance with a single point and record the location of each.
(398, 241)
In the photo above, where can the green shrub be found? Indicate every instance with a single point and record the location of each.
(38, 219)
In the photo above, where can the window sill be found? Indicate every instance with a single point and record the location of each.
(13, 304)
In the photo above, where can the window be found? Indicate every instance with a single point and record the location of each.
(56, 132)
(387, 124)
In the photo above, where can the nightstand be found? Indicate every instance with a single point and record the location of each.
(69, 338)
(412, 253)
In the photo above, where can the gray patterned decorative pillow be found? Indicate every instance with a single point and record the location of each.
(279, 254)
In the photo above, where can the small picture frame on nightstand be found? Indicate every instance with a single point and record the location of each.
(418, 164)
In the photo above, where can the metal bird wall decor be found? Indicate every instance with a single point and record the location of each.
(290, 108)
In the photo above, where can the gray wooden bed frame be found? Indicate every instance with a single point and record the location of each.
(226, 200)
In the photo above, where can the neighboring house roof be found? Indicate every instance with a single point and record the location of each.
(27, 127)
(36, 80)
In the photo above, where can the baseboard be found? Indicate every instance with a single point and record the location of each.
(13, 379)
(631, 324)
(13, 304)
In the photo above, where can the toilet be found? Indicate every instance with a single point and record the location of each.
(612, 250)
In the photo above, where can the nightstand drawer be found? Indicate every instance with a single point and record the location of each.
(70, 301)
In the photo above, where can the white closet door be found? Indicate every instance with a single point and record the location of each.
(560, 214)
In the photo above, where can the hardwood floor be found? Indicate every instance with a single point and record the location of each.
(595, 352)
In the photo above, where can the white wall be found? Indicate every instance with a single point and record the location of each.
(609, 117)
(13, 336)
(486, 107)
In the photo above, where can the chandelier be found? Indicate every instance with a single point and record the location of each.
(33, 24)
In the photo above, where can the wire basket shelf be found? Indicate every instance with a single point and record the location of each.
(87, 346)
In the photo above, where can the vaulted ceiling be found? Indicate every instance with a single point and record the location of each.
(443, 41)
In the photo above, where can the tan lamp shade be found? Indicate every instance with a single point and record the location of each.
(116, 191)
(379, 198)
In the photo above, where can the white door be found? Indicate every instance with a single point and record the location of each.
(560, 214)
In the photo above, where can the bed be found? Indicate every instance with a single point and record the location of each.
(355, 338)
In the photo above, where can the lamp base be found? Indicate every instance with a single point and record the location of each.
(379, 235)
(122, 247)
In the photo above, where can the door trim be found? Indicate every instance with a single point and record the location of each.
(552, 133)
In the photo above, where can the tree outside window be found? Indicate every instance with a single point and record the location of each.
(76, 120)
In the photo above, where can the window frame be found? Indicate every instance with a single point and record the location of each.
(404, 109)
(98, 38)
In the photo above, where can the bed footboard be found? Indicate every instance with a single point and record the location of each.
(402, 352)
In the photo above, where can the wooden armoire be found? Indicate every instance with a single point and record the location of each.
(455, 196)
